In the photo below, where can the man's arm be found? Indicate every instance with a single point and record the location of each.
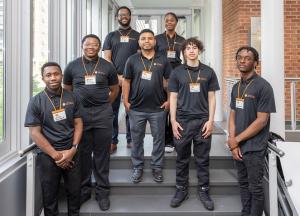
(78, 129)
(166, 104)
(125, 93)
(173, 107)
(108, 55)
(235, 150)
(208, 126)
(114, 90)
(68, 87)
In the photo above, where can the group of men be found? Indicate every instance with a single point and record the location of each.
(75, 125)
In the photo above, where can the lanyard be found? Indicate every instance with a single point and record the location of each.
(173, 43)
(60, 101)
(86, 72)
(244, 89)
(198, 76)
(126, 34)
(145, 65)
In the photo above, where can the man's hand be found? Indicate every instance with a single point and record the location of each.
(232, 142)
(236, 153)
(127, 106)
(66, 161)
(207, 129)
(175, 127)
(165, 105)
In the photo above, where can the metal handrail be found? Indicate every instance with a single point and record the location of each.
(27, 149)
(275, 149)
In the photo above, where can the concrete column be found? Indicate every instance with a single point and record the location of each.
(272, 57)
(216, 51)
(104, 19)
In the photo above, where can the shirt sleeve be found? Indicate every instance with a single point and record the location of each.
(232, 102)
(68, 76)
(173, 83)
(128, 71)
(33, 114)
(107, 42)
(266, 101)
(213, 84)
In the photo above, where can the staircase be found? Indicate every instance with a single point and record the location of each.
(151, 198)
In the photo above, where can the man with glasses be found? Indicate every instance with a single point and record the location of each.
(118, 46)
(145, 100)
(95, 83)
(252, 101)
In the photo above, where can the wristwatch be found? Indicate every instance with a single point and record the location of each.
(75, 146)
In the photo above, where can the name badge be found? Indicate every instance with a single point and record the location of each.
(124, 39)
(194, 87)
(239, 103)
(59, 115)
(146, 75)
(171, 54)
(90, 80)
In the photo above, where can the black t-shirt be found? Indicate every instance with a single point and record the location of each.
(121, 50)
(191, 105)
(91, 95)
(162, 45)
(39, 113)
(147, 95)
(258, 97)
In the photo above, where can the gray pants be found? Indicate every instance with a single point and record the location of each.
(138, 122)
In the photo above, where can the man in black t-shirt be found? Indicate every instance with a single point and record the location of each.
(170, 44)
(55, 126)
(94, 81)
(145, 99)
(252, 101)
(118, 46)
(192, 89)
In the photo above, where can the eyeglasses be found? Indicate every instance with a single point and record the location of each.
(245, 58)
(124, 15)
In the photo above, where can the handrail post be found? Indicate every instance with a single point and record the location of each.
(273, 198)
(30, 185)
(293, 105)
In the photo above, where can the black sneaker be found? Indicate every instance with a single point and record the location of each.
(157, 175)
(180, 195)
(205, 198)
(104, 203)
(137, 175)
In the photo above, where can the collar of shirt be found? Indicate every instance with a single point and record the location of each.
(194, 69)
(52, 94)
(249, 79)
(124, 30)
(94, 60)
(156, 55)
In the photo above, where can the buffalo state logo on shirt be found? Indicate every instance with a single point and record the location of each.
(250, 96)
(67, 103)
(158, 64)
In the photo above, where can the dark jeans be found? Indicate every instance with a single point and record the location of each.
(116, 107)
(250, 175)
(192, 133)
(169, 131)
(50, 176)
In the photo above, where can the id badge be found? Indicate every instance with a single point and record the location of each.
(239, 103)
(59, 115)
(124, 39)
(194, 87)
(90, 80)
(146, 75)
(171, 54)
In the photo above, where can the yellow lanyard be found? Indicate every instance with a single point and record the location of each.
(126, 34)
(198, 76)
(86, 72)
(145, 65)
(173, 43)
(60, 101)
(244, 89)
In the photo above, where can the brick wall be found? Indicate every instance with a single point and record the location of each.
(236, 31)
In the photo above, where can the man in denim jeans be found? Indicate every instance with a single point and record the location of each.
(252, 101)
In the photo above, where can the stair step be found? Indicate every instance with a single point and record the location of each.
(140, 205)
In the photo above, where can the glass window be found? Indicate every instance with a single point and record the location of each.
(40, 43)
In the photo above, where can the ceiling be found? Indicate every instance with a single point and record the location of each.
(161, 4)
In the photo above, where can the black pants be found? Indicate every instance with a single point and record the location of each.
(168, 131)
(192, 133)
(50, 176)
(94, 149)
(250, 175)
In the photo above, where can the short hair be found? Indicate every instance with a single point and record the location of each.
(48, 64)
(192, 41)
(249, 49)
(146, 31)
(123, 7)
(91, 36)
(172, 14)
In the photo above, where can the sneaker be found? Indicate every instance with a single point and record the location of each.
(137, 175)
(113, 148)
(157, 175)
(180, 195)
(104, 203)
(205, 198)
(169, 149)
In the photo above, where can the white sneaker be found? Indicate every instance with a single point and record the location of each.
(169, 149)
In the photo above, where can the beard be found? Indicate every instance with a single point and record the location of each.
(126, 24)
